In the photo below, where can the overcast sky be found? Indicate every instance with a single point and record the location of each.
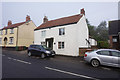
(95, 11)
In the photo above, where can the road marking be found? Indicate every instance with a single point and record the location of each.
(105, 68)
(9, 58)
(3, 55)
(19, 60)
(15, 59)
(23, 61)
(71, 73)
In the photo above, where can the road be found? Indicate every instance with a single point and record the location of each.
(16, 64)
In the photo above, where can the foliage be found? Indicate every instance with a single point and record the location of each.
(99, 33)
(103, 44)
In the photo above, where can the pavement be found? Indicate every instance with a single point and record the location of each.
(17, 65)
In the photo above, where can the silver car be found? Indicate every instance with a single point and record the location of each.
(107, 57)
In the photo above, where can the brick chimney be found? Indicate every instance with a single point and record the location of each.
(27, 18)
(82, 11)
(9, 22)
(45, 19)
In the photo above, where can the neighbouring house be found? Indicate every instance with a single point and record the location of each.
(114, 34)
(93, 42)
(64, 35)
(18, 34)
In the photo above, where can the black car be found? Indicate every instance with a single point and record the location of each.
(40, 50)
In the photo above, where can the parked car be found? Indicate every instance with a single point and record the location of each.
(108, 57)
(40, 50)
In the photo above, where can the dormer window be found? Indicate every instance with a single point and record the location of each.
(11, 31)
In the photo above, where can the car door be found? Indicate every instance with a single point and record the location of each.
(38, 50)
(115, 58)
(34, 50)
(105, 57)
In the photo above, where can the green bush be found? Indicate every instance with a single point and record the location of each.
(103, 44)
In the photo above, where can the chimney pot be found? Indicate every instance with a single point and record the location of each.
(83, 11)
(9, 22)
(27, 18)
(45, 19)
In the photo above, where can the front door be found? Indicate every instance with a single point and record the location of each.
(49, 43)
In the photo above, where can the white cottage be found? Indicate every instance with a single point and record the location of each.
(64, 35)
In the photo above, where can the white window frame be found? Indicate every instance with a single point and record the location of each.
(61, 31)
(42, 43)
(11, 31)
(61, 45)
(11, 40)
(114, 40)
(43, 33)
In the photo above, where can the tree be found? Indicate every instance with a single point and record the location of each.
(91, 29)
(102, 31)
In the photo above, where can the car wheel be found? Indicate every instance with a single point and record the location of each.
(95, 63)
(29, 54)
(43, 55)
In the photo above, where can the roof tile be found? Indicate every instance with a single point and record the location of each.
(60, 21)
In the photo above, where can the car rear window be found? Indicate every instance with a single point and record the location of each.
(32, 46)
(115, 53)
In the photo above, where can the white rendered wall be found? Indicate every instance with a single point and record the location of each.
(75, 35)
(69, 39)
(82, 33)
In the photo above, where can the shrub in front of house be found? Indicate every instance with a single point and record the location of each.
(103, 44)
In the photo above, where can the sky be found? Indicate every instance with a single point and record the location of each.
(95, 12)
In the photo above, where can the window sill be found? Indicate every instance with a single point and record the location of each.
(10, 43)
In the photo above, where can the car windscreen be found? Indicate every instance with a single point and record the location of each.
(45, 47)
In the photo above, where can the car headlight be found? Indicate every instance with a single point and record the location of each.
(47, 51)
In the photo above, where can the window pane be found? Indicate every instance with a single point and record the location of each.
(43, 33)
(62, 44)
(115, 53)
(6, 31)
(59, 45)
(104, 52)
(11, 40)
(61, 31)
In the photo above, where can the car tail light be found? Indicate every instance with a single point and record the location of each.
(85, 55)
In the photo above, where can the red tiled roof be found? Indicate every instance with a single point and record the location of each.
(13, 25)
(61, 21)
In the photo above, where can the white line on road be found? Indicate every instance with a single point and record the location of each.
(23, 61)
(15, 59)
(9, 58)
(19, 60)
(71, 73)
